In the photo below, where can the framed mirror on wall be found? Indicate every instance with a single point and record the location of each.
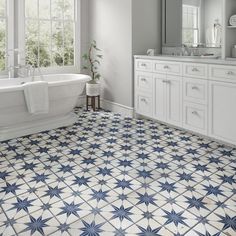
(195, 23)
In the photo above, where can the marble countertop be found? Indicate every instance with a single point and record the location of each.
(193, 59)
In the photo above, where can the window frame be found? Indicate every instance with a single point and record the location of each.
(77, 42)
(10, 34)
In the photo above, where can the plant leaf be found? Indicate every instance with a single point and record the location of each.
(85, 57)
(97, 61)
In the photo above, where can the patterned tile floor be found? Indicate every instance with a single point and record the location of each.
(109, 175)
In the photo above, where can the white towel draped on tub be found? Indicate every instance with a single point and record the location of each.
(36, 97)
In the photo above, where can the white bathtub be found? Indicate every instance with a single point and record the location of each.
(16, 121)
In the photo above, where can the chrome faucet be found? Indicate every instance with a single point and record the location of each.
(11, 68)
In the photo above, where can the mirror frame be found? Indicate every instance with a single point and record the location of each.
(164, 44)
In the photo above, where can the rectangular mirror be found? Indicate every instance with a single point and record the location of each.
(195, 23)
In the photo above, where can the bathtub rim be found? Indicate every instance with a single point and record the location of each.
(82, 78)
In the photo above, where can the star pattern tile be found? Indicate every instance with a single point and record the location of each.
(113, 175)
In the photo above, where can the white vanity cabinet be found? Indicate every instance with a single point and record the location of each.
(222, 103)
(197, 96)
(168, 98)
(159, 95)
(144, 87)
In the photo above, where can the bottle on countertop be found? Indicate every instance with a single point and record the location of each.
(234, 51)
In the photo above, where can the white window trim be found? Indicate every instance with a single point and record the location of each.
(9, 37)
(77, 47)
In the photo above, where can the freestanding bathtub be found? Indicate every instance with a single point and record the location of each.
(16, 121)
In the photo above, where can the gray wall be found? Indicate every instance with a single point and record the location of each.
(110, 25)
(146, 25)
(84, 26)
(122, 28)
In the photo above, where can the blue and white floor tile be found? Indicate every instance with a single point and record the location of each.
(107, 175)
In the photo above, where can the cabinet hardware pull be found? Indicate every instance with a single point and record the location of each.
(143, 100)
(143, 64)
(194, 88)
(143, 79)
(230, 73)
(195, 113)
(166, 81)
(166, 67)
(195, 70)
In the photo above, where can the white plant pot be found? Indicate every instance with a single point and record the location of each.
(92, 89)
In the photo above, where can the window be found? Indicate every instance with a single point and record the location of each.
(190, 34)
(50, 33)
(46, 32)
(3, 34)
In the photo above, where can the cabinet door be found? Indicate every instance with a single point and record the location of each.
(174, 100)
(144, 103)
(222, 117)
(160, 97)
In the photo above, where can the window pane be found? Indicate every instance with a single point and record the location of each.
(31, 30)
(57, 9)
(2, 31)
(44, 55)
(2, 59)
(2, 45)
(31, 53)
(58, 57)
(68, 43)
(69, 56)
(2, 8)
(31, 42)
(50, 34)
(69, 33)
(69, 13)
(45, 32)
(57, 34)
(31, 8)
(188, 36)
(44, 9)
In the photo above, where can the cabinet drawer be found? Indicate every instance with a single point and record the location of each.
(195, 70)
(223, 73)
(195, 117)
(144, 104)
(143, 65)
(144, 81)
(174, 68)
(195, 90)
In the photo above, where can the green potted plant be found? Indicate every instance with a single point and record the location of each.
(92, 61)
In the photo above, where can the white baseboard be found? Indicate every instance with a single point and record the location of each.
(117, 108)
(110, 106)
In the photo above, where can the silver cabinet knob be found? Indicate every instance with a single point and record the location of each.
(143, 100)
(166, 67)
(230, 73)
(144, 64)
(143, 79)
(194, 88)
(166, 81)
(195, 113)
(195, 69)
